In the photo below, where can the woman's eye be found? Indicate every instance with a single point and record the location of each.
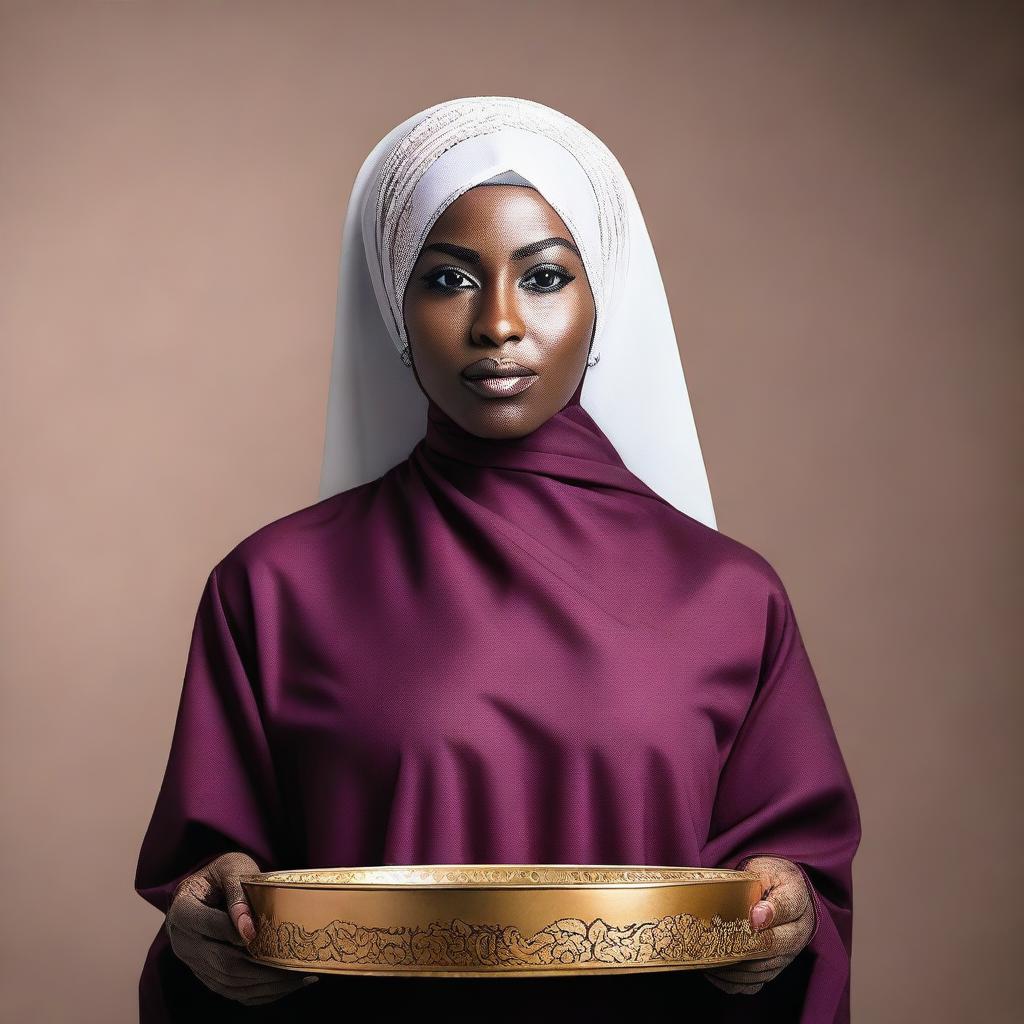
(547, 279)
(448, 279)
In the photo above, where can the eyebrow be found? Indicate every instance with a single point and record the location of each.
(472, 256)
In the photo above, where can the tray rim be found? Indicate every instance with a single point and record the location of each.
(732, 875)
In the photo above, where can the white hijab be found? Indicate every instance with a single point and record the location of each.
(636, 393)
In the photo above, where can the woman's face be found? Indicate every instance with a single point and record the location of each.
(499, 286)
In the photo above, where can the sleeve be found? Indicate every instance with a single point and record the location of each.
(784, 791)
(219, 791)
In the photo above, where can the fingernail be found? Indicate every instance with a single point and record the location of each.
(760, 914)
(245, 926)
(309, 979)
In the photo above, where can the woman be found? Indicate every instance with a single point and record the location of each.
(514, 637)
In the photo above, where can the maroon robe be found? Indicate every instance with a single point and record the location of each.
(504, 651)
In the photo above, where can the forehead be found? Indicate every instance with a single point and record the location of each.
(502, 215)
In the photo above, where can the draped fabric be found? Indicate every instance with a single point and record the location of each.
(503, 650)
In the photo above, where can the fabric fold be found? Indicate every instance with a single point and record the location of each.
(220, 791)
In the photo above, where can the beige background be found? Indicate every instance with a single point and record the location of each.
(834, 194)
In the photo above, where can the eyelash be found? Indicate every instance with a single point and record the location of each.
(432, 283)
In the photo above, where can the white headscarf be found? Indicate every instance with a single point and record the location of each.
(637, 395)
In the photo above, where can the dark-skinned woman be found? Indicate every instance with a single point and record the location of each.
(509, 631)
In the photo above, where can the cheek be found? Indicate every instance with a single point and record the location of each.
(427, 319)
(560, 319)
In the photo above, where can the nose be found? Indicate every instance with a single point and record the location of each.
(497, 317)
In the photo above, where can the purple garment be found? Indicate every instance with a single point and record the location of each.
(504, 651)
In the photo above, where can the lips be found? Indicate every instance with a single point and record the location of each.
(493, 379)
(492, 368)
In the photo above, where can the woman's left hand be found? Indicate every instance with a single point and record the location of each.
(787, 908)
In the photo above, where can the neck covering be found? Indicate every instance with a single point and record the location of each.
(636, 394)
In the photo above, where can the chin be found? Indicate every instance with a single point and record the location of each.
(500, 418)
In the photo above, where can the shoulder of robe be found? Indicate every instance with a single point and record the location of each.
(284, 545)
(747, 570)
(769, 595)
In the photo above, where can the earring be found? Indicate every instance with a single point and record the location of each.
(406, 356)
(595, 360)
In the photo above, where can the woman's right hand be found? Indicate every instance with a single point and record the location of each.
(210, 922)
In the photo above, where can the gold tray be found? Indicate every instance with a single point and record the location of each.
(508, 920)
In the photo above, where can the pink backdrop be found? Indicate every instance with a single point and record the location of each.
(834, 193)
